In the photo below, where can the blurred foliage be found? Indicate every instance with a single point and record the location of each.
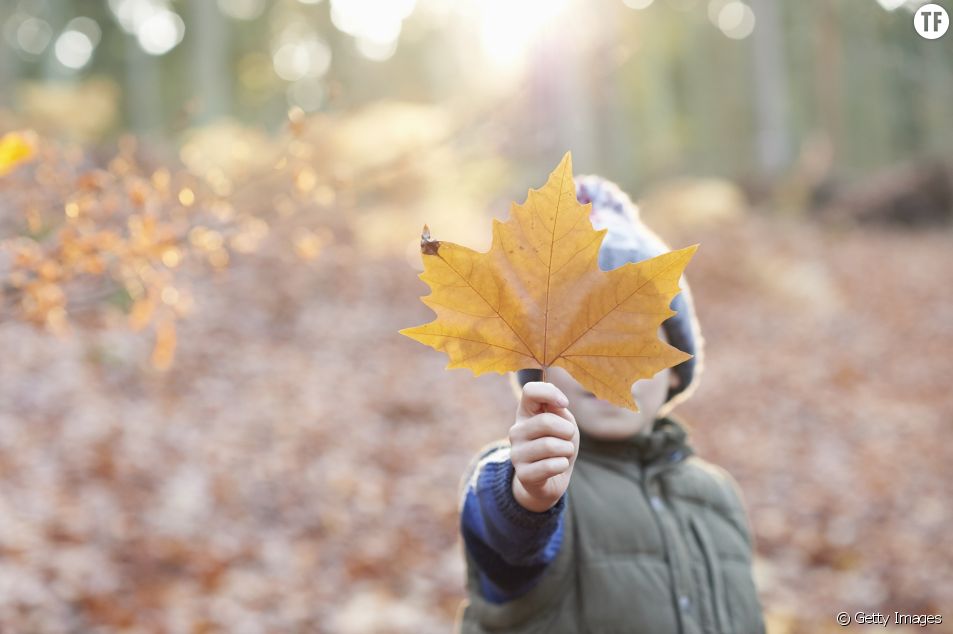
(88, 232)
(638, 90)
(15, 148)
(84, 234)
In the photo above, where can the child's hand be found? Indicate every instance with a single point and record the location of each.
(544, 443)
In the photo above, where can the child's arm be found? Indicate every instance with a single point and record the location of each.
(512, 515)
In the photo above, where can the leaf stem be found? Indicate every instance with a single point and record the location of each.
(543, 378)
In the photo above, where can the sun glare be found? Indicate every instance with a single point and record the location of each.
(510, 28)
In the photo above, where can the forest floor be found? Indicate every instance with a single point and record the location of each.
(297, 469)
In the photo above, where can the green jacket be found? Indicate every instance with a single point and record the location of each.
(655, 541)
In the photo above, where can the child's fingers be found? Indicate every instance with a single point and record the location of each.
(547, 424)
(542, 448)
(541, 470)
(537, 394)
(565, 413)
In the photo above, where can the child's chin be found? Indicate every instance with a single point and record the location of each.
(611, 428)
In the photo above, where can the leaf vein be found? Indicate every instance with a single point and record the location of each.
(489, 343)
(487, 302)
(608, 312)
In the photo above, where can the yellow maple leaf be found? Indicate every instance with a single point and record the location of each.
(538, 298)
(15, 148)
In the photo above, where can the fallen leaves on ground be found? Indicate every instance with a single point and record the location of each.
(298, 469)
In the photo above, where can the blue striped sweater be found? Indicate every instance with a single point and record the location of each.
(511, 545)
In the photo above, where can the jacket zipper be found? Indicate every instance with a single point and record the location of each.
(710, 556)
(681, 598)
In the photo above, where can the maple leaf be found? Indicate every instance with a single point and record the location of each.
(538, 298)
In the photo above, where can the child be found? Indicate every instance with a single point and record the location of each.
(594, 518)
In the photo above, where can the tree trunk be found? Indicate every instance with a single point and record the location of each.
(773, 138)
(209, 50)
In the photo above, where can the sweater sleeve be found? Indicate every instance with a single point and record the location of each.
(511, 545)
